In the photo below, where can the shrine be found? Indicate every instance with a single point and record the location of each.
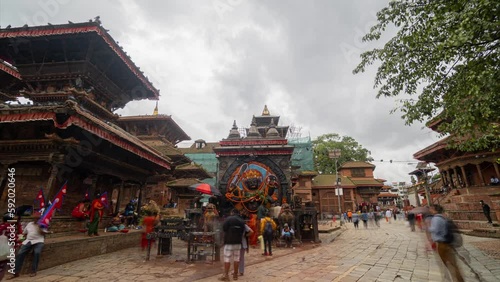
(255, 171)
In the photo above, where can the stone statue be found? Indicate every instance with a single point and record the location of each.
(286, 216)
(209, 218)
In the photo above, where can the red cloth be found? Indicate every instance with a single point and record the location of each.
(97, 206)
(79, 211)
(148, 224)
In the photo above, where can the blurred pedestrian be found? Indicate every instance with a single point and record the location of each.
(245, 247)
(439, 229)
(35, 239)
(233, 228)
(355, 220)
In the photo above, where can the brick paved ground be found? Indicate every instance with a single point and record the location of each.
(391, 253)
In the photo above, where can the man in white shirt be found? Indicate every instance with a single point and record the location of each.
(35, 238)
(388, 215)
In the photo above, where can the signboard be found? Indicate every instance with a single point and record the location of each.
(339, 192)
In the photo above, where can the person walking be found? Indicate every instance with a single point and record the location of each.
(388, 215)
(245, 247)
(486, 211)
(364, 218)
(267, 228)
(438, 230)
(411, 221)
(35, 239)
(355, 219)
(349, 215)
(233, 228)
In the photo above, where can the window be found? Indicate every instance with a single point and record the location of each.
(358, 172)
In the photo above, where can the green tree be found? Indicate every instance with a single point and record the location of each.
(349, 148)
(445, 56)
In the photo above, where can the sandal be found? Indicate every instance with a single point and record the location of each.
(224, 278)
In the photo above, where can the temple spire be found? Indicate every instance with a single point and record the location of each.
(265, 112)
(155, 111)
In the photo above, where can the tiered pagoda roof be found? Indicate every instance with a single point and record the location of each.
(81, 55)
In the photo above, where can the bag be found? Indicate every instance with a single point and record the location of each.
(452, 236)
(268, 229)
(4, 247)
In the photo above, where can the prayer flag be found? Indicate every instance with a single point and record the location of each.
(104, 199)
(58, 199)
(40, 198)
(46, 217)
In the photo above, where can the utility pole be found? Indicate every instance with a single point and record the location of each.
(335, 154)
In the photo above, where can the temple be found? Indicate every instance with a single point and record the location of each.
(75, 76)
(466, 178)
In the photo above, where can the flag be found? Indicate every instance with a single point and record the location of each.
(58, 199)
(40, 198)
(104, 199)
(46, 217)
(86, 196)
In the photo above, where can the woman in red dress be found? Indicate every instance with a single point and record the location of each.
(148, 223)
(96, 212)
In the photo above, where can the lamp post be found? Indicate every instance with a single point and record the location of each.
(335, 154)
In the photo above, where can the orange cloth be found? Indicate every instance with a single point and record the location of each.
(98, 207)
(252, 240)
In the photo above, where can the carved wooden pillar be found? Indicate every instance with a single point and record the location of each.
(481, 177)
(3, 175)
(120, 197)
(51, 187)
(464, 176)
(450, 179)
(139, 201)
(443, 177)
(497, 170)
(457, 177)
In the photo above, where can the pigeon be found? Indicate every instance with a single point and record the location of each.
(49, 24)
(25, 25)
(70, 22)
(7, 27)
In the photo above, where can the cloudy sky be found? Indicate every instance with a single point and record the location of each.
(216, 61)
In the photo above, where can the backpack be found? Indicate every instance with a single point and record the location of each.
(268, 229)
(452, 236)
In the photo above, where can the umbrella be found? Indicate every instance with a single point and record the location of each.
(205, 188)
(423, 210)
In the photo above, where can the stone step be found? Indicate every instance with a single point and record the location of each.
(471, 224)
(492, 232)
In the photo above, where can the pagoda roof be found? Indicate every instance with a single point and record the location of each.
(363, 181)
(9, 82)
(328, 180)
(105, 130)
(168, 128)
(357, 164)
(434, 152)
(191, 170)
(183, 182)
(387, 195)
(71, 50)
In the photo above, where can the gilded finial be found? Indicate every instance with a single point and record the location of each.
(265, 112)
(155, 112)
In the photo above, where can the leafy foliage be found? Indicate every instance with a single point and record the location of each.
(349, 148)
(447, 54)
